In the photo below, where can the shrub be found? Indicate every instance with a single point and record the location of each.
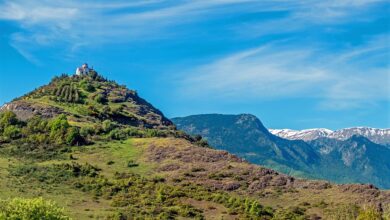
(369, 213)
(58, 128)
(100, 98)
(11, 132)
(86, 131)
(73, 137)
(295, 213)
(107, 126)
(87, 86)
(118, 134)
(131, 163)
(7, 118)
(36, 124)
(31, 209)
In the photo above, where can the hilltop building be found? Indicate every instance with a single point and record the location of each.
(82, 70)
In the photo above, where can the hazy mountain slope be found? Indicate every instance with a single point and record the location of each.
(245, 135)
(344, 161)
(356, 159)
(101, 153)
(376, 135)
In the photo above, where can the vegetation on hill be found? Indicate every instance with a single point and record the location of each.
(100, 151)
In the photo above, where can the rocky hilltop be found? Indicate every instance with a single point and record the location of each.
(100, 151)
(88, 98)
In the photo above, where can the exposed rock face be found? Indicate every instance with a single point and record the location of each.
(25, 110)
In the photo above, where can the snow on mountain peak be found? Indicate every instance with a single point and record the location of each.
(379, 136)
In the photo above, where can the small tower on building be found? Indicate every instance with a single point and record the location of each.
(82, 70)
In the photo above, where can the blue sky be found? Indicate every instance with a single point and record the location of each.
(294, 64)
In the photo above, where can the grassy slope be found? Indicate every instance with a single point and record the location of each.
(84, 205)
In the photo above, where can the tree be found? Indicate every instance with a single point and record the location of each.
(7, 118)
(11, 132)
(36, 124)
(58, 128)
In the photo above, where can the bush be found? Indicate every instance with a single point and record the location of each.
(118, 134)
(100, 98)
(31, 209)
(7, 118)
(86, 131)
(58, 128)
(36, 124)
(87, 86)
(294, 213)
(11, 132)
(107, 126)
(369, 213)
(73, 137)
(131, 163)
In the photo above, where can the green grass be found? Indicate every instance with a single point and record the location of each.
(79, 205)
(119, 152)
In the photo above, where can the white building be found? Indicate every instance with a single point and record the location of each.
(84, 69)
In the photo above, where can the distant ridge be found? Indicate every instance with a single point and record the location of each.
(351, 155)
(376, 135)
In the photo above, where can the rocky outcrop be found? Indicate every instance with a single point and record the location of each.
(25, 110)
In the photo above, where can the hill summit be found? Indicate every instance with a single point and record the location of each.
(88, 98)
(101, 151)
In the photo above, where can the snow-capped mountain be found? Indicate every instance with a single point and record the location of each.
(376, 135)
(306, 135)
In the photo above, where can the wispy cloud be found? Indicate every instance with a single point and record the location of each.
(339, 79)
(75, 24)
(71, 25)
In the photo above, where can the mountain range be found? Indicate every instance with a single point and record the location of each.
(344, 156)
(376, 135)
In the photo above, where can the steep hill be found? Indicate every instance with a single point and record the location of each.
(88, 99)
(100, 151)
(351, 160)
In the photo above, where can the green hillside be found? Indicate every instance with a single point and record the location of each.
(99, 151)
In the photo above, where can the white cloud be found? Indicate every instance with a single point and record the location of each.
(73, 25)
(77, 24)
(339, 80)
